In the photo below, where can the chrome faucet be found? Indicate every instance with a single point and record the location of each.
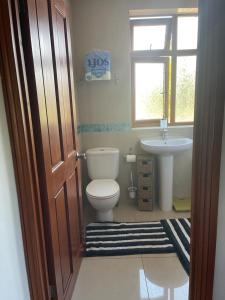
(164, 129)
(164, 134)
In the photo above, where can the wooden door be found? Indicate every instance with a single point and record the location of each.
(54, 119)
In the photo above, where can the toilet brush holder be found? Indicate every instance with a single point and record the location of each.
(132, 190)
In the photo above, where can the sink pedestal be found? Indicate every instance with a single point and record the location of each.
(166, 182)
(166, 149)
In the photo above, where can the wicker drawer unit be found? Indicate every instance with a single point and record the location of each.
(145, 204)
(145, 193)
(146, 182)
(145, 179)
(145, 166)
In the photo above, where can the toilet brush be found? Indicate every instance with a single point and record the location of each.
(132, 189)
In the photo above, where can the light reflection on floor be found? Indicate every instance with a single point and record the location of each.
(143, 290)
(164, 282)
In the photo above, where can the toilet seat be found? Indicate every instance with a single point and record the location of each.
(102, 189)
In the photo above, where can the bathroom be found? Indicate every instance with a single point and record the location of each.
(118, 169)
(105, 113)
(105, 107)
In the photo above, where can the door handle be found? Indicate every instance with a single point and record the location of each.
(80, 156)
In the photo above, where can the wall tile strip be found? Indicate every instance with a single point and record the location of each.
(107, 127)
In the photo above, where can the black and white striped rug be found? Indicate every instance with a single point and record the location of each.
(108, 239)
(178, 231)
(165, 236)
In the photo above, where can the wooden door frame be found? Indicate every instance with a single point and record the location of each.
(208, 130)
(206, 169)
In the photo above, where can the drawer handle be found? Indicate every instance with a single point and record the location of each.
(146, 200)
(146, 188)
(146, 175)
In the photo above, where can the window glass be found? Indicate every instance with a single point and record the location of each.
(187, 33)
(185, 89)
(150, 37)
(149, 90)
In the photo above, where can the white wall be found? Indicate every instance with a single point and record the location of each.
(98, 24)
(13, 276)
(219, 276)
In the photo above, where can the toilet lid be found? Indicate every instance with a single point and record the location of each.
(102, 188)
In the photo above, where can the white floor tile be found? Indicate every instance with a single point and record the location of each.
(128, 212)
(159, 255)
(111, 279)
(117, 257)
(165, 278)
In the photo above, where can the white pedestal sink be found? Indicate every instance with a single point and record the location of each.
(166, 149)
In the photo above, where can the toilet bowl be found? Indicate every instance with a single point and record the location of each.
(103, 195)
(103, 191)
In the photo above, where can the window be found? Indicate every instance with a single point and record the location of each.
(150, 97)
(164, 53)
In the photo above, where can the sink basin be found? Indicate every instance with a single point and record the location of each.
(166, 151)
(167, 147)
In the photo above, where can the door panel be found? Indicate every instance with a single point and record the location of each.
(55, 134)
(73, 200)
(50, 107)
(60, 35)
(54, 118)
(61, 207)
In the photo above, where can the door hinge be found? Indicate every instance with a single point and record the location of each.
(53, 292)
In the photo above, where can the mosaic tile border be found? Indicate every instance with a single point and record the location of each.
(103, 127)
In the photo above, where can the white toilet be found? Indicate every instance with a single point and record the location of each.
(103, 191)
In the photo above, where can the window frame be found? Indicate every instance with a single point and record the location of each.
(152, 22)
(170, 54)
(151, 122)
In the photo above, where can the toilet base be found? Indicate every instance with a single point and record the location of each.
(105, 216)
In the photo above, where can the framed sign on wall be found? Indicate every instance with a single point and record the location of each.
(98, 65)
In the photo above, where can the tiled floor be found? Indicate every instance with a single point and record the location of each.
(135, 277)
(128, 212)
(144, 277)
